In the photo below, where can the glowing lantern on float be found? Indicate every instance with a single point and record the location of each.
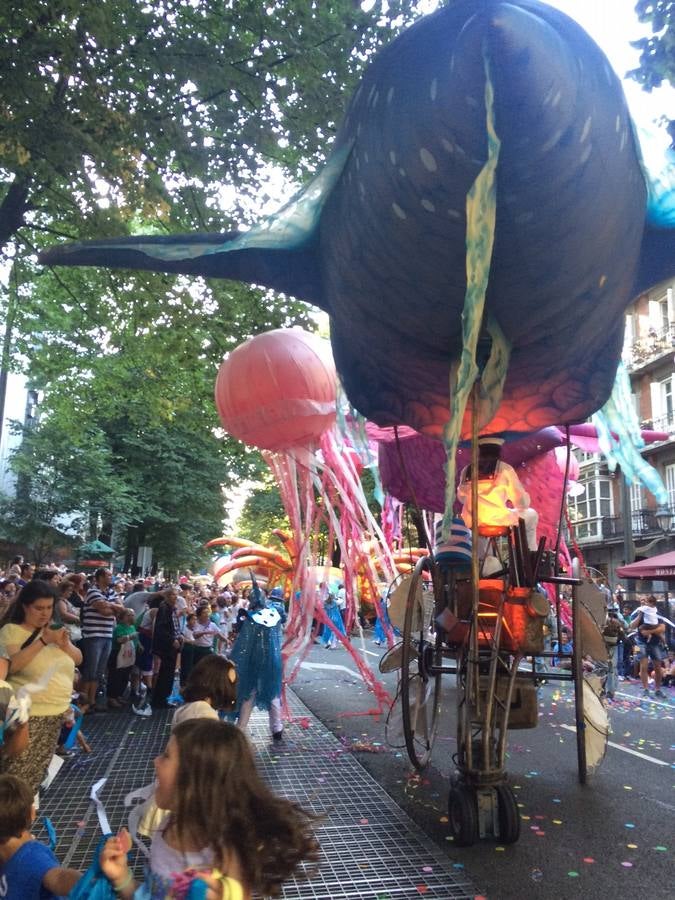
(277, 390)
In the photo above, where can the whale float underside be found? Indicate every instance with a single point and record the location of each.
(378, 239)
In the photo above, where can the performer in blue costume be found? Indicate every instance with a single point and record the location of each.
(257, 655)
(328, 638)
(379, 632)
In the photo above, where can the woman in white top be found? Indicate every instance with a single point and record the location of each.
(204, 632)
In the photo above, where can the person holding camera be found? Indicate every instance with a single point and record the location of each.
(42, 657)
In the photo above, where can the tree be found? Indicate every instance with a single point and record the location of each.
(114, 110)
(657, 52)
(120, 117)
(62, 477)
(263, 511)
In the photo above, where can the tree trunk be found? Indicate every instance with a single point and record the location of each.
(13, 209)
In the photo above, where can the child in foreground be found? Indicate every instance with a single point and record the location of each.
(225, 825)
(28, 869)
(210, 689)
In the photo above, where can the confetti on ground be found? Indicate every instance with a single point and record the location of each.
(573, 874)
(626, 864)
(588, 859)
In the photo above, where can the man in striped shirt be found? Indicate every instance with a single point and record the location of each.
(98, 622)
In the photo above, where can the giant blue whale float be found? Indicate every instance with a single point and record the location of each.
(378, 238)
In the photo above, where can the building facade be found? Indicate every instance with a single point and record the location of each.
(598, 523)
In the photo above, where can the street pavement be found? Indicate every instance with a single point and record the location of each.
(612, 838)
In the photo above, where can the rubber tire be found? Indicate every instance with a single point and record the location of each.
(418, 754)
(463, 815)
(508, 813)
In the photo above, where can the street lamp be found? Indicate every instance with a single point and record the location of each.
(664, 518)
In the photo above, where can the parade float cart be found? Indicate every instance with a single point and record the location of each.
(489, 633)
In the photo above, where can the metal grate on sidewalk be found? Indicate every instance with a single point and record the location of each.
(371, 850)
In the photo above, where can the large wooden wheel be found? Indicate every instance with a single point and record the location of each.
(421, 650)
(578, 678)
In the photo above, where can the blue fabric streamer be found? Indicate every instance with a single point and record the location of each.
(658, 169)
(620, 439)
(51, 832)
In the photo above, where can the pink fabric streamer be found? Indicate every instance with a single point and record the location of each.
(303, 475)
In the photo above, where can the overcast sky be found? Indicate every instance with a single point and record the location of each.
(613, 24)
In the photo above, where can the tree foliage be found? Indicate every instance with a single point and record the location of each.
(166, 102)
(263, 511)
(657, 51)
(121, 117)
(63, 477)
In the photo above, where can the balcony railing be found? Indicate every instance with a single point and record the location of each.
(650, 347)
(664, 423)
(643, 523)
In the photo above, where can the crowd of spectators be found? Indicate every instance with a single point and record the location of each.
(74, 645)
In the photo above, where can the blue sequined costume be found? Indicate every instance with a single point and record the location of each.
(379, 634)
(334, 614)
(257, 654)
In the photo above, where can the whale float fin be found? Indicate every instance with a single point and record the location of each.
(214, 255)
(278, 253)
(657, 258)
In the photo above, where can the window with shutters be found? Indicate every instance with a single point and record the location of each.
(663, 404)
(636, 504)
(589, 509)
(670, 485)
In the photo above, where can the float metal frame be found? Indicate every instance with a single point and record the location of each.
(481, 803)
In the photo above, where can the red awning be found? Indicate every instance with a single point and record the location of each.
(659, 568)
